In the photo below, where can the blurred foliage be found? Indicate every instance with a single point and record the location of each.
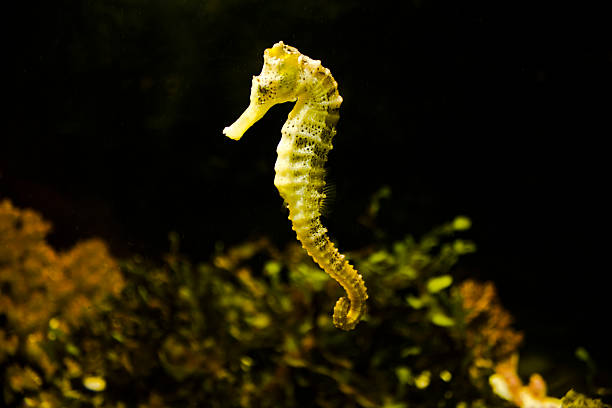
(250, 328)
(45, 299)
(575, 400)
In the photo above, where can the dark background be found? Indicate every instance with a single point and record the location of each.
(495, 111)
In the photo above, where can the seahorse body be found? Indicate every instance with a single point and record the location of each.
(306, 140)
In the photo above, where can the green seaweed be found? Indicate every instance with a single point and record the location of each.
(576, 400)
(250, 328)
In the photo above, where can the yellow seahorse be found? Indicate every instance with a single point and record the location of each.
(287, 75)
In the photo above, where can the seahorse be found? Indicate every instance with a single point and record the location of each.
(289, 76)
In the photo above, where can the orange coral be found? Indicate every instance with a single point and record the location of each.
(489, 334)
(494, 343)
(507, 384)
(38, 283)
(45, 294)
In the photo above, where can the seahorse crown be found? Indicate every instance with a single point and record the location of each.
(286, 76)
(280, 76)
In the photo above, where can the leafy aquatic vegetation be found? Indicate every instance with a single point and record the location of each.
(250, 328)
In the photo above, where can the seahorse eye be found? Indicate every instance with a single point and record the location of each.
(273, 86)
(262, 90)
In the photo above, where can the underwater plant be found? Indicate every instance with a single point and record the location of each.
(46, 296)
(574, 399)
(249, 328)
(288, 75)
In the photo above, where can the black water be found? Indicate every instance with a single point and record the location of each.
(499, 112)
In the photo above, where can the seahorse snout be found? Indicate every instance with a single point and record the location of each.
(251, 115)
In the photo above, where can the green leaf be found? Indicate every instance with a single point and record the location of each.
(462, 223)
(408, 271)
(404, 375)
(259, 321)
(415, 302)
(72, 349)
(272, 268)
(379, 257)
(394, 405)
(582, 354)
(410, 351)
(439, 283)
(440, 319)
(463, 247)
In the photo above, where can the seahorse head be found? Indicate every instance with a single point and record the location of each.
(278, 82)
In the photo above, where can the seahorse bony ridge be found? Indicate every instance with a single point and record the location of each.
(288, 75)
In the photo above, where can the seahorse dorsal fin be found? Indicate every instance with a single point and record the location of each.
(328, 198)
